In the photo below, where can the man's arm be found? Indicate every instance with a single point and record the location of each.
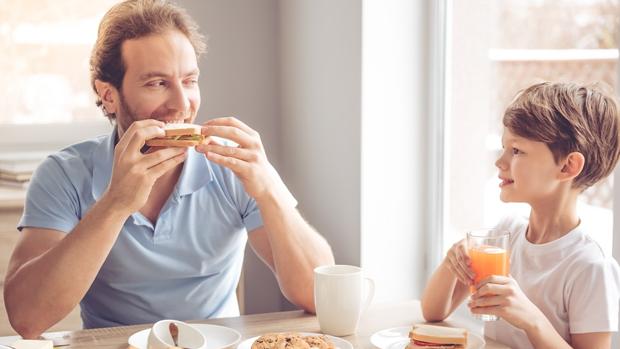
(290, 247)
(49, 271)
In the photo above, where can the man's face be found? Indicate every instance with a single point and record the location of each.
(160, 82)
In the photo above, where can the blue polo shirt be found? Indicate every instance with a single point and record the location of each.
(185, 266)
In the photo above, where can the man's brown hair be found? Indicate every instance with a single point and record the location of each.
(133, 19)
(570, 118)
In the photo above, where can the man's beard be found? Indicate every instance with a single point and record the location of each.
(126, 116)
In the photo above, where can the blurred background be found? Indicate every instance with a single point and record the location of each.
(383, 117)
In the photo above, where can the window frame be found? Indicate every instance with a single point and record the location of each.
(52, 136)
(440, 64)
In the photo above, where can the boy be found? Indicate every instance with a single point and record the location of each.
(559, 139)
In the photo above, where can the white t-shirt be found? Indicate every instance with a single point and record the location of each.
(569, 279)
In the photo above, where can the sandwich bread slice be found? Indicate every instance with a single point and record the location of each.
(437, 337)
(178, 135)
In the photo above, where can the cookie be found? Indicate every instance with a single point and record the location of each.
(267, 341)
(291, 341)
(319, 342)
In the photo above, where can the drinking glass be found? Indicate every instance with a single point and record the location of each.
(488, 251)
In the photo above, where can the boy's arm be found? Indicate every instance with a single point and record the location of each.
(502, 296)
(443, 293)
(449, 285)
(595, 340)
(542, 335)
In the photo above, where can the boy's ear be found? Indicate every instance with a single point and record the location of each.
(108, 94)
(573, 165)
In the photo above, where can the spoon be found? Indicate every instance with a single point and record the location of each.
(174, 332)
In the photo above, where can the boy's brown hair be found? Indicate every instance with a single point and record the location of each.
(570, 118)
(133, 19)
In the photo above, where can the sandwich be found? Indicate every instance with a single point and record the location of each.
(437, 337)
(178, 135)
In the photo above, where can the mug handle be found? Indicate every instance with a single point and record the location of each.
(369, 294)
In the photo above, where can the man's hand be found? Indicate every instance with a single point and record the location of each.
(248, 161)
(134, 173)
(502, 296)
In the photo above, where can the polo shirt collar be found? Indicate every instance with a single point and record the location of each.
(197, 171)
(103, 158)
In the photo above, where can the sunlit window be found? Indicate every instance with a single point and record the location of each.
(45, 47)
(497, 49)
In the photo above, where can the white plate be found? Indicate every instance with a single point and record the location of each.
(218, 337)
(339, 343)
(398, 338)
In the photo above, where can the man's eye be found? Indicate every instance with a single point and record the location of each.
(156, 83)
(191, 82)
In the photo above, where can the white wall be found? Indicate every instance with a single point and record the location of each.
(295, 71)
(394, 143)
(239, 76)
(320, 116)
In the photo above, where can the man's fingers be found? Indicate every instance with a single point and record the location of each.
(235, 152)
(235, 134)
(155, 158)
(166, 165)
(231, 121)
(239, 167)
(128, 136)
(140, 135)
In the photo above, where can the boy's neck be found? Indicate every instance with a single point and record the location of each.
(554, 218)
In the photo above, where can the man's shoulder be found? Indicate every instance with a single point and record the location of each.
(74, 158)
(81, 151)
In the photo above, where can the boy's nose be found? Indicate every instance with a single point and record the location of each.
(500, 163)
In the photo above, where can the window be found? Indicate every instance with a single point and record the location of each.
(45, 71)
(496, 49)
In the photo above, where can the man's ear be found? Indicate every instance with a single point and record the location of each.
(572, 166)
(108, 95)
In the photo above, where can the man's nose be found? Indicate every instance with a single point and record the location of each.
(179, 99)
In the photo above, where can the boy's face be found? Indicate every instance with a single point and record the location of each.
(527, 170)
(161, 80)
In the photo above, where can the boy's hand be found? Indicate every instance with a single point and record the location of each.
(458, 262)
(502, 296)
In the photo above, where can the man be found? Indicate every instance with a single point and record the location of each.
(135, 236)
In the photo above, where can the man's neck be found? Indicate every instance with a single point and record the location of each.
(161, 191)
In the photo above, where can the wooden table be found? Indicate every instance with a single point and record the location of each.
(378, 317)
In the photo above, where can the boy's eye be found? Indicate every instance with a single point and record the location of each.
(516, 151)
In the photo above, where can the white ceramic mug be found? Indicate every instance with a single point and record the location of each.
(338, 297)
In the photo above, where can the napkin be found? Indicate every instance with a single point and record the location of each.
(33, 344)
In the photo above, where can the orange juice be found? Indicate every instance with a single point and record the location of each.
(486, 261)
